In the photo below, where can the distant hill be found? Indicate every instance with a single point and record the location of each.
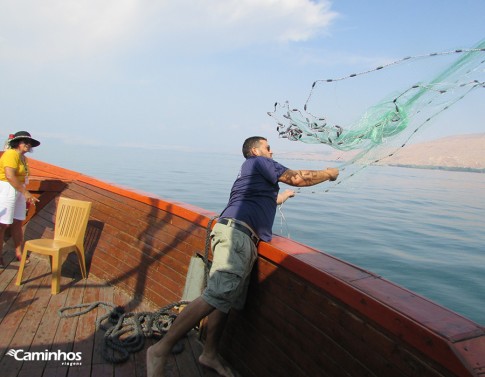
(459, 152)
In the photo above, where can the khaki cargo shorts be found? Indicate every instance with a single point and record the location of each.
(234, 257)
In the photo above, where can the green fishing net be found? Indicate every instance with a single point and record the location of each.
(385, 125)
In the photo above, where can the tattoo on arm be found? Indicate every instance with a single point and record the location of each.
(303, 177)
(309, 175)
(289, 176)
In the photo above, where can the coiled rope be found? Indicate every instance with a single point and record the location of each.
(128, 331)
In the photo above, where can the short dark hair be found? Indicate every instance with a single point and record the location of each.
(250, 143)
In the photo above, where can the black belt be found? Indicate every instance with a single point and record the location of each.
(242, 228)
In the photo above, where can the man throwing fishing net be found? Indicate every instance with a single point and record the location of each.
(247, 219)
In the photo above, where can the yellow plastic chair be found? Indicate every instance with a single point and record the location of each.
(71, 222)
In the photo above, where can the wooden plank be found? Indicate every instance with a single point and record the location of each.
(81, 371)
(129, 304)
(140, 359)
(132, 282)
(14, 337)
(313, 316)
(127, 369)
(28, 329)
(184, 361)
(86, 326)
(55, 371)
(66, 330)
(302, 318)
(195, 346)
(297, 338)
(30, 372)
(15, 302)
(146, 218)
(105, 295)
(44, 198)
(186, 211)
(101, 367)
(7, 277)
(100, 370)
(150, 251)
(260, 349)
(47, 328)
(171, 368)
(46, 185)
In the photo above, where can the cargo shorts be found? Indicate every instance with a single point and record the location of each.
(234, 254)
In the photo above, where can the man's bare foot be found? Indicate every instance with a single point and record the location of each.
(217, 364)
(155, 364)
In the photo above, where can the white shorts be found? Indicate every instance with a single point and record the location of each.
(12, 204)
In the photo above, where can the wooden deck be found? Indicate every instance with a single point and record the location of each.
(29, 321)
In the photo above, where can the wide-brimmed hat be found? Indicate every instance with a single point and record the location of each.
(25, 135)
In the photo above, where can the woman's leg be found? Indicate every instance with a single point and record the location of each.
(18, 237)
(2, 235)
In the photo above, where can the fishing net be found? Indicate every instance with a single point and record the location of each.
(385, 125)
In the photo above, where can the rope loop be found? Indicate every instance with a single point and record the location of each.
(125, 333)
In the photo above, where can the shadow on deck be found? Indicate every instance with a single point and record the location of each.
(29, 321)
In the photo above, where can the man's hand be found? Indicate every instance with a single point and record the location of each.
(333, 173)
(284, 196)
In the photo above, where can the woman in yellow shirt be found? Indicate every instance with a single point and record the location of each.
(14, 175)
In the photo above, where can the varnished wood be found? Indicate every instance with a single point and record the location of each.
(29, 320)
(307, 314)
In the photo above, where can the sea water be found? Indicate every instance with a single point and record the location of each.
(422, 229)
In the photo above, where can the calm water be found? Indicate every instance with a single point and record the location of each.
(422, 229)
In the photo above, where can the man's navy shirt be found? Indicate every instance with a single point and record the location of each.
(254, 193)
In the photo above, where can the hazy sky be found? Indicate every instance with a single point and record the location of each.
(202, 74)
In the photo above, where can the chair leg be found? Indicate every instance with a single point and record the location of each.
(21, 267)
(82, 263)
(55, 284)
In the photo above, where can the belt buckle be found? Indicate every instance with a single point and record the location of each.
(255, 239)
(233, 223)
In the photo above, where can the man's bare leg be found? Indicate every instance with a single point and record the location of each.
(210, 356)
(186, 320)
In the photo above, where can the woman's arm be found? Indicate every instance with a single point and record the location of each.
(17, 185)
